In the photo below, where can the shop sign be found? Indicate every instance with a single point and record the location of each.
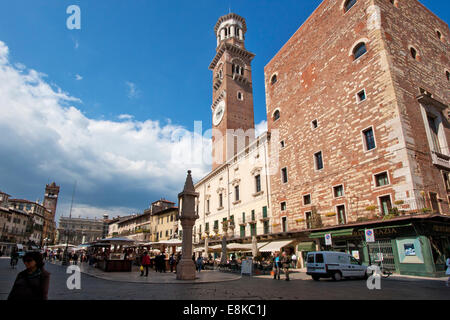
(328, 239)
(355, 254)
(370, 235)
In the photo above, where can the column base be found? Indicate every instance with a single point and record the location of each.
(186, 270)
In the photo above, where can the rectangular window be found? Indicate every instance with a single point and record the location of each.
(369, 139)
(220, 201)
(386, 204)
(236, 193)
(266, 227)
(242, 232)
(338, 191)
(216, 225)
(282, 144)
(307, 199)
(314, 124)
(243, 217)
(381, 179)
(253, 215)
(446, 180)
(258, 183)
(434, 134)
(341, 214)
(318, 160)
(308, 216)
(284, 224)
(361, 95)
(207, 227)
(434, 202)
(284, 177)
(207, 205)
(283, 206)
(253, 229)
(264, 210)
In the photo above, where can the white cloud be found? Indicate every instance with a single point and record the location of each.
(78, 77)
(115, 163)
(125, 117)
(132, 91)
(260, 128)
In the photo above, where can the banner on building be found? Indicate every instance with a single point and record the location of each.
(370, 236)
(328, 239)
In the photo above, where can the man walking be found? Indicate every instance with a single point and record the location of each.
(285, 262)
(276, 266)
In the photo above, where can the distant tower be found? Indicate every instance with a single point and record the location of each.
(232, 106)
(51, 198)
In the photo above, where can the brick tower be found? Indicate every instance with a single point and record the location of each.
(51, 198)
(232, 108)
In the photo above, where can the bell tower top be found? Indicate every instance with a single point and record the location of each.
(231, 28)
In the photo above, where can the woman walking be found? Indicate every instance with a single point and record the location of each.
(32, 283)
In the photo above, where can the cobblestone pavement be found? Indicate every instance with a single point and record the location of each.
(155, 277)
(300, 287)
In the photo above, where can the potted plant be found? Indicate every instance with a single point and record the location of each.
(330, 214)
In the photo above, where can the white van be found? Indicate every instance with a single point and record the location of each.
(336, 265)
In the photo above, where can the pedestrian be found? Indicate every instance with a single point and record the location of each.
(276, 266)
(32, 283)
(172, 262)
(199, 263)
(75, 258)
(286, 262)
(447, 272)
(294, 261)
(145, 263)
(163, 262)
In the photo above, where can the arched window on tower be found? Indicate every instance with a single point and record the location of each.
(359, 50)
(274, 79)
(349, 4)
(276, 115)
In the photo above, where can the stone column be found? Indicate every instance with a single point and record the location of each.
(188, 215)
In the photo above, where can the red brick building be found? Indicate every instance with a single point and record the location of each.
(360, 97)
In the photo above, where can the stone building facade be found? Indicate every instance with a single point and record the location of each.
(360, 96)
(234, 197)
(77, 231)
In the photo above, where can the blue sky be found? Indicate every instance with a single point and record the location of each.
(131, 62)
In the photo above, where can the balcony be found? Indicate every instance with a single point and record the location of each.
(263, 218)
(440, 160)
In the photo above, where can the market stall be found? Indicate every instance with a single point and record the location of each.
(111, 255)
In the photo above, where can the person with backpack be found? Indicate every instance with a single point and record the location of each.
(32, 283)
(286, 263)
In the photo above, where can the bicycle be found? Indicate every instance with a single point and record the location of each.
(384, 273)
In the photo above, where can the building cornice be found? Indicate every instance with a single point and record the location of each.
(242, 53)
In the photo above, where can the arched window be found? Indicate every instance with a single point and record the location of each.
(439, 35)
(348, 4)
(413, 53)
(359, 50)
(274, 79)
(276, 115)
(447, 74)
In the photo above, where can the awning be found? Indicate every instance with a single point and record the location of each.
(386, 227)
(334, 233)
(275, 246)
(306, 246)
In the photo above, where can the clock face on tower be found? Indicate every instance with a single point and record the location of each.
(219, 111)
